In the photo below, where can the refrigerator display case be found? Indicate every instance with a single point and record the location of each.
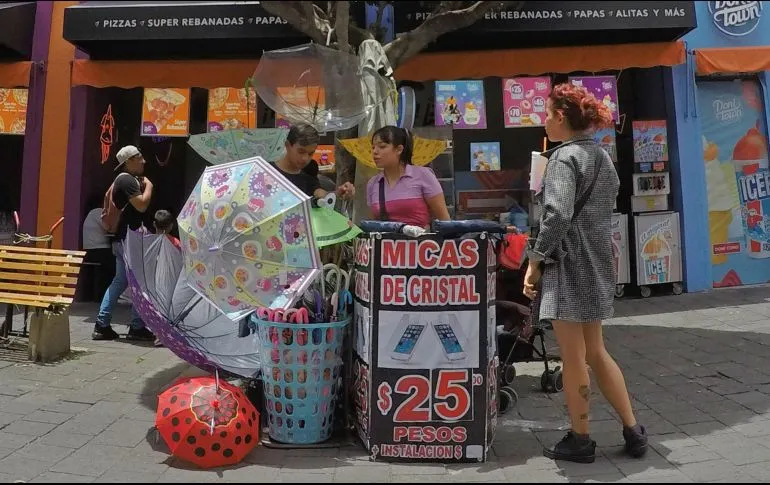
(621, 253)
(658, 251)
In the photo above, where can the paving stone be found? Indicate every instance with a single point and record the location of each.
(23, 468)
(139, 476)
(48, 417)
(67, 439)
(48, 453)
(51, 477)
(29, 428)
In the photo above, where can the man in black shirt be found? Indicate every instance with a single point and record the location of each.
(299, 167)
(131, 194)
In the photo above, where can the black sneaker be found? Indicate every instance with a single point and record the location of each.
(104, 333)
(636, 440)
(140, 334)
(573, 447)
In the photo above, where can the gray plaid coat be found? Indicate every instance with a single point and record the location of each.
(578, 280)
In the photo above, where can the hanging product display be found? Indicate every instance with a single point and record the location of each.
(166, 112)
(461, 104)
(324, 157)
(524, 101)
(231, 109)
(13, 111)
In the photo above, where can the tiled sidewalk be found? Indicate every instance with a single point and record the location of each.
(698, 367)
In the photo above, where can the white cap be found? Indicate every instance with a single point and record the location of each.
(125, 153)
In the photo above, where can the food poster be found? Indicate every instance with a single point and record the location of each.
(166, 112)
(428, 356)
(524, 101)
(324, 157)
(485, 156)
(299, 104)
(605, 138)
(461, 104)
(13, 111)
(231, 109)
(605, 88)
(735, 154)
(650, 142)
(658, 248)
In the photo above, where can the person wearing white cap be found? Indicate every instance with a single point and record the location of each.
(131, 193)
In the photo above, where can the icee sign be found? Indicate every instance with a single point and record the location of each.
(736, 19)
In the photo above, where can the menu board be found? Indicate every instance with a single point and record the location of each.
(231, 109)
(605, 88)
(13, 111)
(166, 112)
(524, 101)
(461, 104)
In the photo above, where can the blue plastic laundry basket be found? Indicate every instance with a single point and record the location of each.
(301, 372)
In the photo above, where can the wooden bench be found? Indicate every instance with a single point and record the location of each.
(42, 279)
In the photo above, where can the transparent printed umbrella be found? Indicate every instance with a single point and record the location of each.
(319, 86)
(227, 146)
(247, 238)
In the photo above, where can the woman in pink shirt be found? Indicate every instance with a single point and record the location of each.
(402, 192)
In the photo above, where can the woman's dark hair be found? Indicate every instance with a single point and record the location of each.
(580, 107)
(303, 134)
(396, 136)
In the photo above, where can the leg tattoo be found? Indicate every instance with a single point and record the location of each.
(585, 392)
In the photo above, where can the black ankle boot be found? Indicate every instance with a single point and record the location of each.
(573, 447)
(636, 440)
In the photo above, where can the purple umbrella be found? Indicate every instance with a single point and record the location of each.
(186, 323)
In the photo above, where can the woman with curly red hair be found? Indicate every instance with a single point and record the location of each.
(571, 275)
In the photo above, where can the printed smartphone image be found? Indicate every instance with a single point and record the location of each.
(408, 341)
(449, 340)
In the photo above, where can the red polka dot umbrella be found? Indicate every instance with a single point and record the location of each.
(207, 422)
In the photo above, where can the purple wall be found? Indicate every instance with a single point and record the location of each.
(73, 178)
(30, 175)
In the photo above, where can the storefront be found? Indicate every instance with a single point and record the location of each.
(495, 98)
(132, 52)
(23, 45)
(722, 109)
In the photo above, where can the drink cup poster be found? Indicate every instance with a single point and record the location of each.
(650, 141)
(732, 117)
(461, 104)
(429, 371)
(166, 112)
(485, 156)
(605, 88)
(524, 101)
(13, 111)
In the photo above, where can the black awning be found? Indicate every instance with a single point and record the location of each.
(17, 28)
(174, 29)
(553, 23)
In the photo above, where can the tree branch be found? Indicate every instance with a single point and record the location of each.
(438, 24)
(341, 25)
(302, 16)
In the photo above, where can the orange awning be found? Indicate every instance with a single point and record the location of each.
(732, 60)
(162, 74)
(14, 74)
(513, 62)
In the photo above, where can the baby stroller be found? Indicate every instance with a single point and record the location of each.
(518, 338)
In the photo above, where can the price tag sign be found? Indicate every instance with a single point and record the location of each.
(430, 367)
